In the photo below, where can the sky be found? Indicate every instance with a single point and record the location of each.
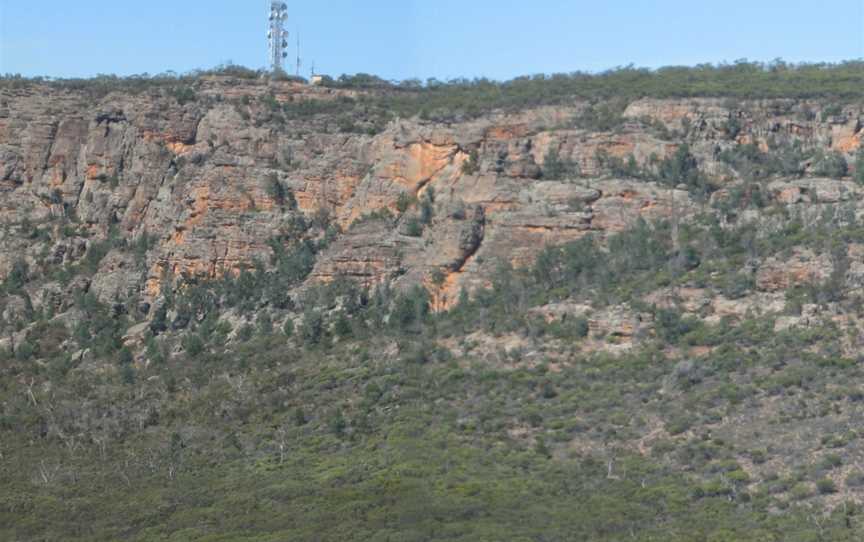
(401, 39)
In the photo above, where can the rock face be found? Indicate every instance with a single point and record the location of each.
(193, 184)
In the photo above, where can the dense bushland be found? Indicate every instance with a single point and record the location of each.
(364, 415)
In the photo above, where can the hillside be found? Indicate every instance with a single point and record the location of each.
(572, 308)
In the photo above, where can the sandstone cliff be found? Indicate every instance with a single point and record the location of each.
(196, 181)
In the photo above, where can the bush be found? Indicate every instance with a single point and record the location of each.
(265, 323)
(342, 326)
(680, 168)
(581, 327)
(127, 374)
(738, 285)
(18, 276)
(859, 166)
(472, 165)
(245, 333)
(125, 356)
(193, 344)
(671, 326)
(801, 491)
(183, 95)
(410, 308)
(414, 228)
(830, 462)
(832, 165)
(831, 110)
(403, 202)
(276, 190)
(159, 323)
(826, 486)
(312, 328)
(427, 210)
(557, 169)
(337, 423)
(855, 479)
(603, 117)
(25, 351)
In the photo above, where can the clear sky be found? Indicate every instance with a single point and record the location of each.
(400, 39)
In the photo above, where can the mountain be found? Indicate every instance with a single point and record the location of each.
(239, 308)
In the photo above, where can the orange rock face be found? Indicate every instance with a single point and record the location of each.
(803, 267)
(198, 180)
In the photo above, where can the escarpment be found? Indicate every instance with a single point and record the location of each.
(205, 187)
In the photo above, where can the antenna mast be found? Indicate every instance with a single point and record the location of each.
(277, 36)
(299, 62)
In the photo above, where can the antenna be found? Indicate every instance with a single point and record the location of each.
(299, 62)
(277, 36)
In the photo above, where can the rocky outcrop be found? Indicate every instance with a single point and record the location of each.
(196, 181)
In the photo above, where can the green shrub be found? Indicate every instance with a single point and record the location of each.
(337, 423)
(557, 169)
(830, 462)
(410, 308)
(831, 110)
(427, 209)
(832, 165)
(472, 165)
(312, 328)
(18, 276)
(671, 326)
(125, 357)
(193, 344)
(859, 166)
(603, 117)
(414, 228)
(265, 324)
(855, 479)
(183, 95)
(801, 491)
(403, 202)
(127, 374)
(245, 333)
(826, 486)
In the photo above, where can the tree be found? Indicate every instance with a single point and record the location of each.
(426, 209)
(414, 228)
(556, 169)
(859, 166)
(18, 276)
(159, 322)
(193, 344)
(312, 328)
(127, 374)
(337, 423)
(410, 308)
(403, 202)
(265, 324)
(832, 165)
(125, 356)
(342, 327)
(288, 328)
(681, 168)
(472, 165)
(276, 190)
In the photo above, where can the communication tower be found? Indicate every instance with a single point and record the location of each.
(299, 61)
(277, 36)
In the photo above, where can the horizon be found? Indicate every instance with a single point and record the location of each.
(214, 70)
(49, 39)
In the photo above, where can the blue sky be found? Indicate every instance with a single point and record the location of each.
(399, 39)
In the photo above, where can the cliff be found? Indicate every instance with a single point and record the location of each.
(240, 308)
(203, 182)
